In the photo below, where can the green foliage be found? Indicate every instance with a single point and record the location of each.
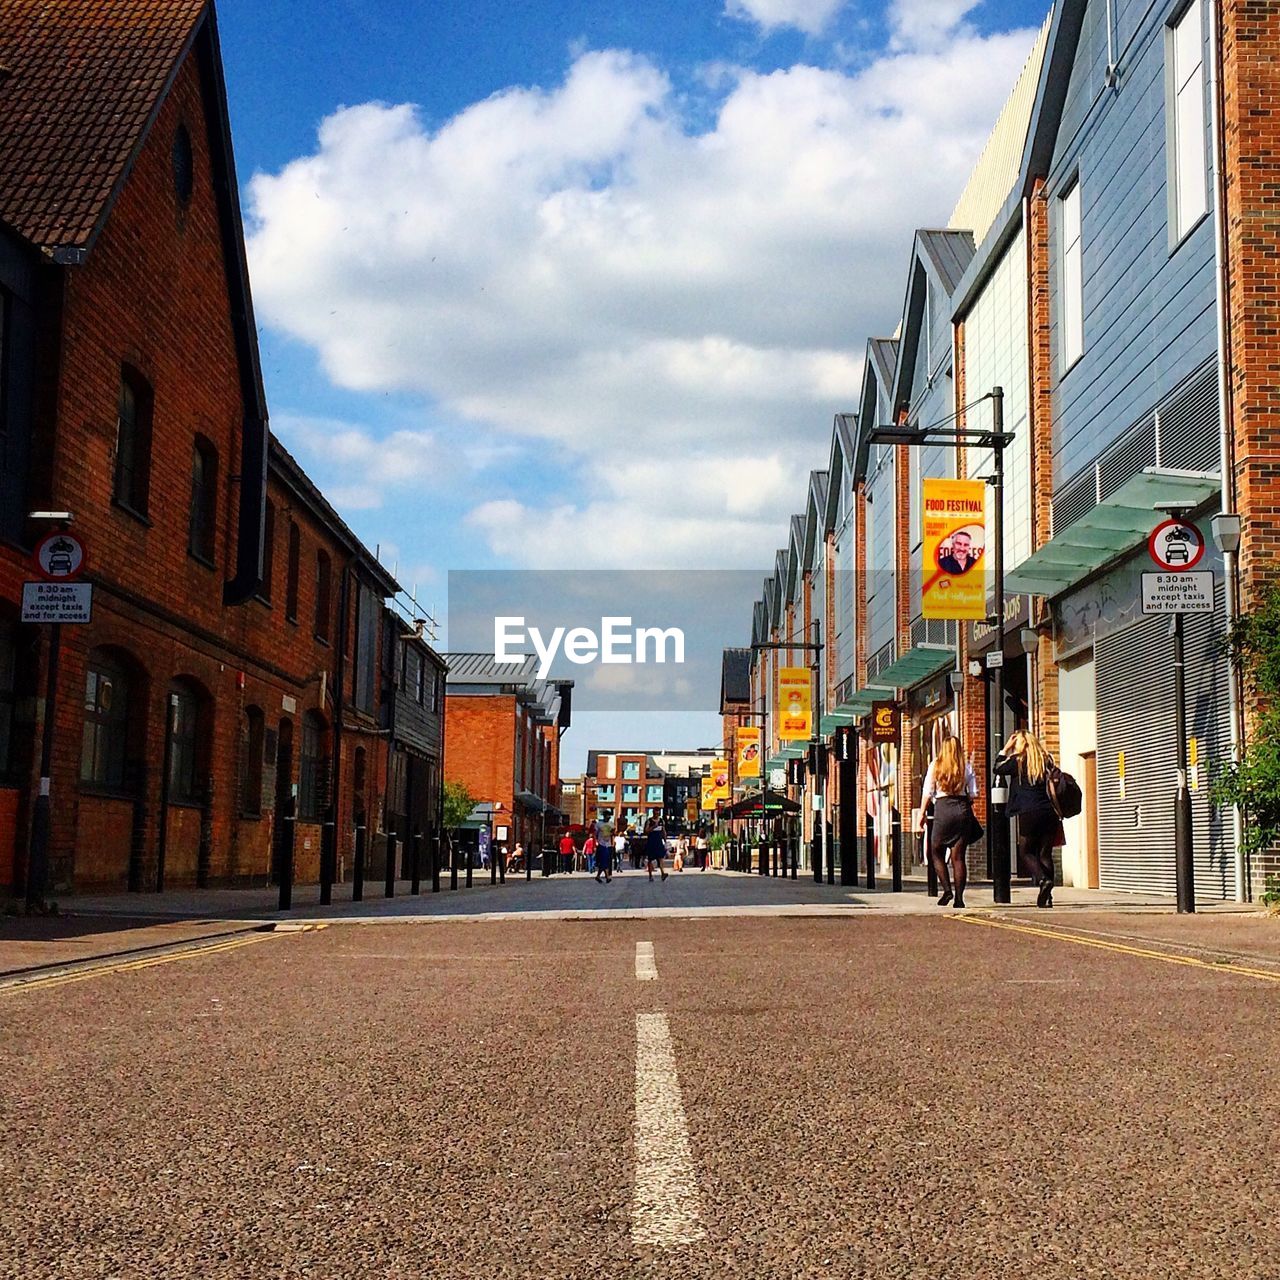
(458, 804)
(1271, 896)
(1254, 784)
(718, 841)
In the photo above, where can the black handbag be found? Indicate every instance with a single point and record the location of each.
(976, 830)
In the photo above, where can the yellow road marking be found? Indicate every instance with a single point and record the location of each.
(1144, 952)
(128, 966)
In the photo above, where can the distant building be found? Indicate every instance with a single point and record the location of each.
(573, 799)
(632, 787)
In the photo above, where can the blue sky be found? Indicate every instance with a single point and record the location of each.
(581, 285)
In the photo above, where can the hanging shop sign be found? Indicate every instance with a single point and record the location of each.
(719, 780)
(795, 772)
(846, 744)
(885, 722)
(795, 704)
(955, 539)
(747, 751)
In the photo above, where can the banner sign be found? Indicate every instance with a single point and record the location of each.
(955, 538)
(885, 719)
(747, 751)
(846, 744)
(795, 773)
(719, 780)
(795, 704)
(707, 801)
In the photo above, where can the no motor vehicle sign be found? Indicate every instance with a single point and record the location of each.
(1177, 592)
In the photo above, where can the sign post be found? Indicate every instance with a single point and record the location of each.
(1176, 546)
(56, 599)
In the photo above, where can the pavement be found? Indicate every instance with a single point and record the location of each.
(875, 1093)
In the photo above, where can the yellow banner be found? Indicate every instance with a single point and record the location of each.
(955, 539)
(795, 704)
(747, 751)
(707, 801)
(720, 789)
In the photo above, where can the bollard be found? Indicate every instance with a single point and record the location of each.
(357, 873)
(528, 863)
(495, 857)
(469, 868)
(415, 862)
(453, 865)
(871, 851)
(390, 886)
(435, 862)
(895, 851)
(286, 860)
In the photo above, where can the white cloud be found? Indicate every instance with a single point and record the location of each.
(809, 16)
(928, 24)
(579, 265)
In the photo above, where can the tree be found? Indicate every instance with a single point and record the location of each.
(1254, 783)
(458, 804)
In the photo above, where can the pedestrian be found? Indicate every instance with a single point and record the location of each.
(704, 851)
(604, 859)
(516, 861)
(619, 848)
(950, 786)
(1026, 764)
(682, 851)
(655, 847)
(589, 852)
(566, 853)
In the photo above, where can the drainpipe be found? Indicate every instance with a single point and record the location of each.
(1230, 562)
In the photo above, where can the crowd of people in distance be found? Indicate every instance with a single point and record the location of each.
(605, 850)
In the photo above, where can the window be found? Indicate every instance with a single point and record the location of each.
(1188, 170)
(312, 773)
(204, 500)
(106, 723)
(653, 794)
(291, 581)
(8, 671)
(413, 673)
(1072, 278)
(268, 551)
(631, 770)
(323, 603)
(605, 794)
(251, 740)
(133, 442)
(185, 781)
(425, 678)
(630, 795)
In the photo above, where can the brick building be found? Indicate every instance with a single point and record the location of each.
(502, 741)
(632, 787)
(230, 670)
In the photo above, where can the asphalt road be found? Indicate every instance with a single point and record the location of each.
(870, 1095)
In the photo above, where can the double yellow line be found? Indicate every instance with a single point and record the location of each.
(89, 970)
(1146, 953)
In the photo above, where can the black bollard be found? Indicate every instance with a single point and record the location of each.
(415, 862)
(926, 843)
(287, 835)
(871, 851)
(453, 864)
(895, 851)
(469, 868)
(435, 862)
(357, 871)
(390, 886)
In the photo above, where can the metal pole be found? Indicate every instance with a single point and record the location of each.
(1182, 837)
(869, 826)
(435, 861)
(895, 849)
(329, 833)
(389, 885)
(162, 835)
(288, 835)
(38, 850)
(415, 862)
(469, 868)
(453, 862)
(357, 871)
(1000, 860)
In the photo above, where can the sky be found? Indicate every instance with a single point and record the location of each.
(580, 284)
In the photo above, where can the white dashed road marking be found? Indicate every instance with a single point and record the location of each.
(665, 1209)
(646, 969)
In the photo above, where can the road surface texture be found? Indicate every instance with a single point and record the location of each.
(874, 1094)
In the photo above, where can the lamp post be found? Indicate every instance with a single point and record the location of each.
(997, 440)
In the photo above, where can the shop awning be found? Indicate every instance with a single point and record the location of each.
(915, 666)
(1114, 528)
(837, 719)
(530, 801)
(794, 751)
(760, 804)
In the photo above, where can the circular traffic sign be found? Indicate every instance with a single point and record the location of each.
(60, 557)
(1176, 545)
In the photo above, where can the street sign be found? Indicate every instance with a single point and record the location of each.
(995, 659)
(57, 602)
(1178, 592)
(1176, 545)
(60, 557)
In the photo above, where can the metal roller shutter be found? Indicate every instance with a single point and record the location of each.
(1135, 716)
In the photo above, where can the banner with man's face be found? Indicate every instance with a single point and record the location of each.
(747, 751)
(955, 540)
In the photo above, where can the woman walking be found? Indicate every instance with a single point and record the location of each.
(1026, 764)
(951, 785)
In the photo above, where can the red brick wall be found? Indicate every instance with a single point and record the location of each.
(480, 737)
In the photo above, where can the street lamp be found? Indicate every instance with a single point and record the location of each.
(997, 440)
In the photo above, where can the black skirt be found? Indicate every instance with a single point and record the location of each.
(953, 821)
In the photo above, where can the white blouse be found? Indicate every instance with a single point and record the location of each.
(932, 790)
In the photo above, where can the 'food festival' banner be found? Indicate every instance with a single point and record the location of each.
(719, 780)
(955, 538)
(795, 704)
(747, 747)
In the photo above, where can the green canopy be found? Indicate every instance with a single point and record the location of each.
(1117, 526)
(915, 666)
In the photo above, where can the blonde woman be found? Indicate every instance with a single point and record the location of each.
(951, 785)
(1026, 764)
